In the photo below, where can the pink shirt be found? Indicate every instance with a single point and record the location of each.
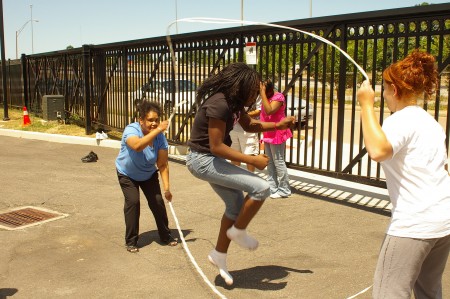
(278, 136)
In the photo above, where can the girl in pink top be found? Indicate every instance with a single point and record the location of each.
(273, 110)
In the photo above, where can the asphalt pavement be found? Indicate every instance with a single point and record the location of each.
(322, 242)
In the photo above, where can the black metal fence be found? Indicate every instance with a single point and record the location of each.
(103, 83)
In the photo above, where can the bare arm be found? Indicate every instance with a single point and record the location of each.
(254, 113)
(269, 108)
(138, 144)
(216, 131)
(163, 165)
(254, 126)
(377, 145)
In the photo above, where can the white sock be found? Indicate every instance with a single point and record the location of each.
(241, 238)
(219, 260)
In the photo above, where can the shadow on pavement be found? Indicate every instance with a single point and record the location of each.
(7, 292)
(260, 278)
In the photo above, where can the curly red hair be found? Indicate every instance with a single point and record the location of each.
(414, 75)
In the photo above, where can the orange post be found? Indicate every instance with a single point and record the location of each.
(26, 117)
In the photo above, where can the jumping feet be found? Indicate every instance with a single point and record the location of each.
(241, 238)
(219, 260)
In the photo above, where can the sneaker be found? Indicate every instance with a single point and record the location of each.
(276, 195)
(132, 248)
(91, 157)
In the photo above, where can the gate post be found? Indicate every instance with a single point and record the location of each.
(341, 101)
(23, 62)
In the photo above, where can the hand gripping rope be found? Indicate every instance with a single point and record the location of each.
(242, 22)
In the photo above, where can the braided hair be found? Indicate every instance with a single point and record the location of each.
(237, 81)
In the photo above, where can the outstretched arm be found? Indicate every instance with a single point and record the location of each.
(216, 132)
(254, 126)
(269, 108)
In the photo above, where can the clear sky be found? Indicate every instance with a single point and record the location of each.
(60, 23)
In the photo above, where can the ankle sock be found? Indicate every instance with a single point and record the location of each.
(241, 238)
(219, 260)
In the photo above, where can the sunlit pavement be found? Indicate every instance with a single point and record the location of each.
(322, 242)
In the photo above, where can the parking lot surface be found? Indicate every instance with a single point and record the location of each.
(311, 245)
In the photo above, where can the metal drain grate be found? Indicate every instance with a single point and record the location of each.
(27, 216)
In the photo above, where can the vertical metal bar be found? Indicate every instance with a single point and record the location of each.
(86, 89)
(341, 101)
(65, 80)
(124, 84)
(24, 64)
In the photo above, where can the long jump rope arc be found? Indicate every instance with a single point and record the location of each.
(183, 241)
(242, 22)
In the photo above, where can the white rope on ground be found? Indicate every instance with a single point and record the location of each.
(363, 291)
(191, 257)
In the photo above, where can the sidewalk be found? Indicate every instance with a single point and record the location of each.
(322, 242)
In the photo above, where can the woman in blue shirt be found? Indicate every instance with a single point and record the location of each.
(143, 153)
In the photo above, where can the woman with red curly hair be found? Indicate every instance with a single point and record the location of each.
(411, 149)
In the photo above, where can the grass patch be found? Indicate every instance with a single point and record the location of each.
(51, 127)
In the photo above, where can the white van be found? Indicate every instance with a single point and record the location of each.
(172, 93)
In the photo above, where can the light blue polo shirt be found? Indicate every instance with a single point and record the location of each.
(139, 166)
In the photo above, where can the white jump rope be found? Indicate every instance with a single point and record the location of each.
(231, 21)
(183, 241)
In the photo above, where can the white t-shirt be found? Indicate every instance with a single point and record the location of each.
(418, 184)
(256, 106)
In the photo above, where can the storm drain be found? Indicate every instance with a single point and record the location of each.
(27, 216)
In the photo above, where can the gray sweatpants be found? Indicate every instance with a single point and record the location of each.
(405, 264)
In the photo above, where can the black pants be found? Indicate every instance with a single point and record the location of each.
(131, 209)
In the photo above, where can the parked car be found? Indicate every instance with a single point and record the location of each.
(172, 93)
(301, 109)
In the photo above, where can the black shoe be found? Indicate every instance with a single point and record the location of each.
(91, 157)
(94, 155)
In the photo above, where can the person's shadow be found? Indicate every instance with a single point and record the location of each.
(7, 292)
(148, 237)
(260, 278)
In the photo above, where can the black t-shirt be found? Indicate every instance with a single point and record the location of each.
(215, 107)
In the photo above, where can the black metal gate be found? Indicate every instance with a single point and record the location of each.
(103, 83)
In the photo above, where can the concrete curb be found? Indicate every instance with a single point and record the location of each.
(173, 149)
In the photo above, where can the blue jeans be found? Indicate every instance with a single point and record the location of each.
(227, 180)
(277, 171)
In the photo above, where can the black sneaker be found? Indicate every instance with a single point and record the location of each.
(91, 157)
(94, 155)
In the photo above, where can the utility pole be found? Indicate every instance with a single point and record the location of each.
(2, 41)
(242, 12)
(32, 34)
(176, 15)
